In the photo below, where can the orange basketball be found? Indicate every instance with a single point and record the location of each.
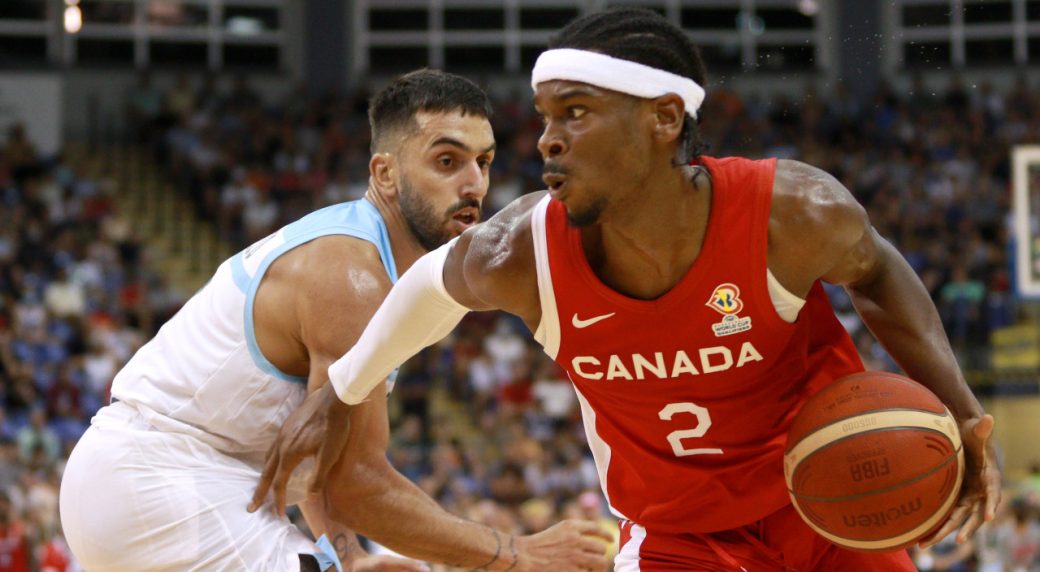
(874, 462)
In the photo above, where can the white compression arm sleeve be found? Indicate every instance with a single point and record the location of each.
(417, 312)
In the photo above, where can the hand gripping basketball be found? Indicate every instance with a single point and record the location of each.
(876, 462)
(980, 493)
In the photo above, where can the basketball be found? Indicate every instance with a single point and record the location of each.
(874, 462)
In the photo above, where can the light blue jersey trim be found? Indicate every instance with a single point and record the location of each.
(327, 557)
(365, 223)
(238, 273)
(382, 242)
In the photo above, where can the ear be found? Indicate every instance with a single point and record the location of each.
(382, 172)
(669, 113)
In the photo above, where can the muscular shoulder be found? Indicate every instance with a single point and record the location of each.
(314, 301)
(499, 264)
(335, 283)
(337, 266)
(815, 221)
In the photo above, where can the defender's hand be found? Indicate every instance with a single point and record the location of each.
(320, 425)
(981, 490)
(570, 546)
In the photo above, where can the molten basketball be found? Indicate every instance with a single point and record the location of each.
(874, 462)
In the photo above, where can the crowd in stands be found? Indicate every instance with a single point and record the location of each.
(77, 298)
(483, 421)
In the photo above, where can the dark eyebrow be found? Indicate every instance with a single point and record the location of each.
(459, 144)
(568, 93)
(572, 92)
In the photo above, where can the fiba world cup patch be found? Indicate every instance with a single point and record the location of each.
(725, 299)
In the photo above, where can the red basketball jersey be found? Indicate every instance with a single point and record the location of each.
(687, 399)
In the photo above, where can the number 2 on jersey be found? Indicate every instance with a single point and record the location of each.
(676, 437)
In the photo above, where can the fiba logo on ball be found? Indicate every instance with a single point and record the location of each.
(874, 462)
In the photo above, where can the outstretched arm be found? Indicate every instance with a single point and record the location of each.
(364, 491)
(425, 304)
(367, 494)
(489, 267)
(418, 312)
(820, 231)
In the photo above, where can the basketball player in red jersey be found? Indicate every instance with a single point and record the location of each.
(683, 296)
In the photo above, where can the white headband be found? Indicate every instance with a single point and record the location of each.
(615, 74)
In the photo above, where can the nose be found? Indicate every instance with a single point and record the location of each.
(551, 143)
(475, 184)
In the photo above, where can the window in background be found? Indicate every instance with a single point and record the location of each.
(249, 21)
(18, 51)
(931, 55)
(709, 18)
(474, 19)
(939, 34)
(105, 52)
(177, 54)
(539, 18)
(106, 12)
(23, 10)
(506, 37)
(246, 58)
(176, 14)
(390, 19)
(924, 15)
(474, 58)
(142, 33)
(390, 60)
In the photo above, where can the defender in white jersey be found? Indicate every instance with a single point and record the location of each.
(162, 479)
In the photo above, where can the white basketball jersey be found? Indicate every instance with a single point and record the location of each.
(203, 373)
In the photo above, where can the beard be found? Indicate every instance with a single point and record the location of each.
(429, 228)
(587, 216)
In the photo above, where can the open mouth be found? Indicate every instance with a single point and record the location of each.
(554, 181)
(467, 216)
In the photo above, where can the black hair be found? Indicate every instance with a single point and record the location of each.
(395, 106)
(646, 37)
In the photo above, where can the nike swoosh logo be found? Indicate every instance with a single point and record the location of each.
(579, 323)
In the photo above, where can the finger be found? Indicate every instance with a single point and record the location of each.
(993, 492)
(589, 545)
(591, 562)
(281, 483)
(975, 519)
(587, 528)
(976, 438)
(984, 427)
(952, 523)
(329, 454)
(262, 487)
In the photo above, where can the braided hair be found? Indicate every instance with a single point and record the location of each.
(642, 36)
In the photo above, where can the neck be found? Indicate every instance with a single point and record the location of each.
(403, 244)
(646, 243)
(649, 217)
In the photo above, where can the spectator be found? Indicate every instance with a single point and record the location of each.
(14, 542)
(36, 438)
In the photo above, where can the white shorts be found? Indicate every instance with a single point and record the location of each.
(134, 498)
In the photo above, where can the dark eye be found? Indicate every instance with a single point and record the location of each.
(446, 161)
(576, 111)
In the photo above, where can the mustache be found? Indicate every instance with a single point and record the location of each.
(464, 203)
(551, 167)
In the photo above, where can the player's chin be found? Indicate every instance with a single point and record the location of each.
(458, 226)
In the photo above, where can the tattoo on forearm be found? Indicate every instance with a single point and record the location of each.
(343, 543)
(498, 551)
